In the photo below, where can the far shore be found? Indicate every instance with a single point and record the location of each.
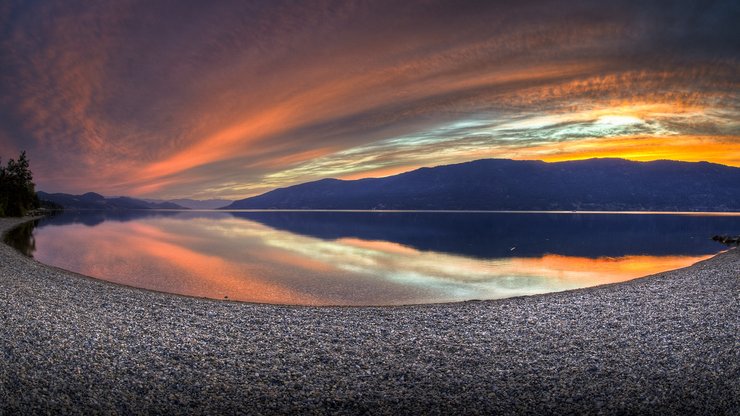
(662, 344)
(440, 211)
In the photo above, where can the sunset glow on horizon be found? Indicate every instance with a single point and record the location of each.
(197, 99)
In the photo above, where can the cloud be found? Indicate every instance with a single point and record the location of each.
(186, 99)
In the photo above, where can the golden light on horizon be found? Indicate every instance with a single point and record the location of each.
(229, 109)
(720, 150)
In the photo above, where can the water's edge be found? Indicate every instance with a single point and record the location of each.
(9, 224)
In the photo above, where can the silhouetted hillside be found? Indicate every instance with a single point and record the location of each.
(500, 184)
(91, 200)
(195, 203)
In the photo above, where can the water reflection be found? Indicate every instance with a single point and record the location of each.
(486, 235)
(366, 258)
(22, 238)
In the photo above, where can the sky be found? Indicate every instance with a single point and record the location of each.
(228, 99)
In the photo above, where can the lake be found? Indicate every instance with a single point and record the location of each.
(368, 258)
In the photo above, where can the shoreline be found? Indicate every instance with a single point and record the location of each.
(17, 221)
(656, 344)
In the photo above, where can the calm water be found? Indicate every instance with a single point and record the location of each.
(365, 258)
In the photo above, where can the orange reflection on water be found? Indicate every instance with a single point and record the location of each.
(141, 255)
(454, 277)
(602, 270)
(248, 261)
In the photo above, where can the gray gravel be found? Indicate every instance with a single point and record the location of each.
(665, 344)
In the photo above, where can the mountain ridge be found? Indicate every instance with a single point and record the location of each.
(605, 184)
(92, 200)
(194, 203)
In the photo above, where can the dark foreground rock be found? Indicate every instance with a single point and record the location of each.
(666, 344)
(727, 239)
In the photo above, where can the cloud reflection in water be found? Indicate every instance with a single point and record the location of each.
(218, 255)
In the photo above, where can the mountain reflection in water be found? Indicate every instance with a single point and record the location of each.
(365, 258)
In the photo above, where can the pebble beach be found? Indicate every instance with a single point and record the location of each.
(663, 344)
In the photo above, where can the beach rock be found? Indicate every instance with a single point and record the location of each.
(664, 344)
(727, 239)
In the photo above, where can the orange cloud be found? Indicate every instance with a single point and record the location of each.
(143, 99)
(223, 143)
(379, 173)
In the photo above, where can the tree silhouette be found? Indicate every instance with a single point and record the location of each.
(17, 190)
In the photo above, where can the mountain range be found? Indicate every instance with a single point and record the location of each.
(502, 184)
(91, 200)
(195, 203)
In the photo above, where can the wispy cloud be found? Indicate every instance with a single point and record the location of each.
(192, 99)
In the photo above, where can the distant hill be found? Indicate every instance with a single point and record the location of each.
(502, 184)
(196, 203)
(91, 200)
